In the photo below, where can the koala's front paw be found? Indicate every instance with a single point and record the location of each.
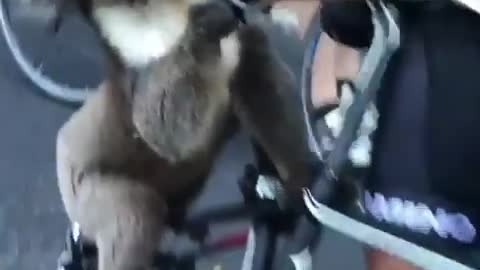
(215, 19)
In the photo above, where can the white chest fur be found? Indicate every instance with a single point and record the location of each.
(141, 34)
(230, 53)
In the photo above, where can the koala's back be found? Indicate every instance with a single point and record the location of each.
(98, 133)
(182, 108)
(97, 148)
(100, 137)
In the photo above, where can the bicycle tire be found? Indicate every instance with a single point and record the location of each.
(47, 86)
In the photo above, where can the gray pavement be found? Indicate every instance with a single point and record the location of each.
(32, 220)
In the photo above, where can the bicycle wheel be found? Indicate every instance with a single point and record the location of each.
(61, 67)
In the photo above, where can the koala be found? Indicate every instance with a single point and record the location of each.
(182, 76)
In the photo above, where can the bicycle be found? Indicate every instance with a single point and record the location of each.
(302, 226)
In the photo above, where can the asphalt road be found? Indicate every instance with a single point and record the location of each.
(32, 220)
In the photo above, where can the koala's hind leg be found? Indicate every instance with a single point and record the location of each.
(124, 217)
(127, 248)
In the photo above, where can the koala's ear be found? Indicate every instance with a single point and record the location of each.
(64, 8)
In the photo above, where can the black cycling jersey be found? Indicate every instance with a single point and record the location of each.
(423, 183)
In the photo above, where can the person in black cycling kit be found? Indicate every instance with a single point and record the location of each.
(423, 182)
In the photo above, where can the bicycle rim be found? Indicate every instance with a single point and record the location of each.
(60, 92)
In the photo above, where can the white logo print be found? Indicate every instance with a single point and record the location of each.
(361, 148)
(419, 218)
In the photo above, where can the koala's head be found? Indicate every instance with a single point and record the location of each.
(140, 31)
